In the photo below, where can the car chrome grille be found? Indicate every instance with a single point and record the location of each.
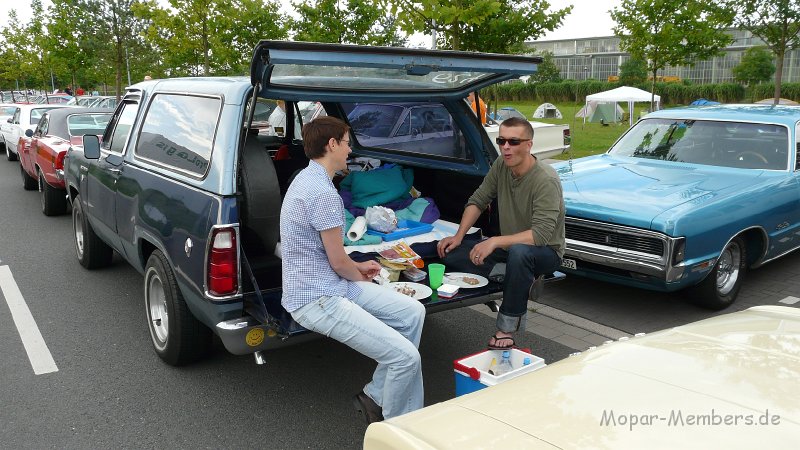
(642, 244)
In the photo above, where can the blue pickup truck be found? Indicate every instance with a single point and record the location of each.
(186, 183)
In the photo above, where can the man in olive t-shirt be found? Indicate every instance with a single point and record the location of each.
(531, 242)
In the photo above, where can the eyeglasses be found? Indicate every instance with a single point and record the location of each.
(511, 141)
(346, 141)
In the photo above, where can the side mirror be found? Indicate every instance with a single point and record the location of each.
(29, 132)
(415, 132)
(91, 146)
(10, 120)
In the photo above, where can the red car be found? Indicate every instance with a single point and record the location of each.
(42, 152)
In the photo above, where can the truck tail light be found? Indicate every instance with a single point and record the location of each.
(223, 270)
(567, 137)
(58, 164)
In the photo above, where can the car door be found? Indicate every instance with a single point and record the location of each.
(103, 174)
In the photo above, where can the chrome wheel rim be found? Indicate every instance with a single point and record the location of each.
(77, 225)
(728, 268)
(157, 308)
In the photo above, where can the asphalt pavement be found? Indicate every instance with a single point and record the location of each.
(110, 389)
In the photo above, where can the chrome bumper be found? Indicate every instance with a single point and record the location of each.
(659, 266)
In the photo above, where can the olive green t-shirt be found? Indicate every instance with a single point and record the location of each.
(534, 202)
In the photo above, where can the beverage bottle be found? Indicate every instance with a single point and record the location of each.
(505, 364)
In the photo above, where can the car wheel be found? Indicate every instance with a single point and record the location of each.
(721, 286)
(178, 337)
(11, 156)
(28, 182)
(92, 252)
(54, 201)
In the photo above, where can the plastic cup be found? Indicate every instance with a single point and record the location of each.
(435, 275)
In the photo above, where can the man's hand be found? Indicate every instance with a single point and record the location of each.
(369, 269)
(482, 250)
(445, 245)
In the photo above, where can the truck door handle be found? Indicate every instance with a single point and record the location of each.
(115, 170)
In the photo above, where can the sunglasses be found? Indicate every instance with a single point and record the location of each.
(511, 141)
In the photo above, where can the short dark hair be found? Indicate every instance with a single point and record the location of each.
(518, 122)
(319, 131)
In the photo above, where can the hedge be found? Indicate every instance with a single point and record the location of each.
(671, 93)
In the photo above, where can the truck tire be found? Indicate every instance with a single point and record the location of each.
(54, 201)
(92, 252)
(28, 182)
(178, 337)
(721, 287)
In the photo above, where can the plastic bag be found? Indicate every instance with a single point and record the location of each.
(381, 219)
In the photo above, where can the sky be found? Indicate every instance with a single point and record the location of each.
(589, 18)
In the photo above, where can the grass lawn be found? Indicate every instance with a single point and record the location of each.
(588, 139)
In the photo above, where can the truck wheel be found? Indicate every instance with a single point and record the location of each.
(92, 252)
(11, 156)
(178, 337)
(721, 286)
(28, 182)
(54, 201)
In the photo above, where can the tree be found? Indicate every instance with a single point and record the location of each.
(755, 67)
(671, 32)
(500, 26)
(205, 37)
(546, 71)
(776, 22)
(360, 22)
(69, 42)
(633, 71)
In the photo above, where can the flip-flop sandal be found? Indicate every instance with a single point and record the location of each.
(500, 338)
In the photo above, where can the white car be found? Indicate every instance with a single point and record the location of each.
(23, 118)
(725, 382)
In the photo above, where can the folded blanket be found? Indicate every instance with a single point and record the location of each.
(377, 187)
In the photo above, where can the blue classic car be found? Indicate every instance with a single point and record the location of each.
(687, 198)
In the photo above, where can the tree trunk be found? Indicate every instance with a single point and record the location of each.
(653, 91)
(206, 70)
(778, 75)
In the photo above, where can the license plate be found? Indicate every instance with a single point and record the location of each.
(569, 264)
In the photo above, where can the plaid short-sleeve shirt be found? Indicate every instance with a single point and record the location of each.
(311, 205)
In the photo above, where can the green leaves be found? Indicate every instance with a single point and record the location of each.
(360, 22)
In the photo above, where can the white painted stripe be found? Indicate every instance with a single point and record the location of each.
(790, 300)
(38, 353)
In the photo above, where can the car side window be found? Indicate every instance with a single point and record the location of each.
(120, 127)
(178, 132)
(408, 127)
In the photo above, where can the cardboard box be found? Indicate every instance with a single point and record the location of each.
(471, 371)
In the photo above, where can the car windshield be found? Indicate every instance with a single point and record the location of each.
(36, 114)
(723, 144)
(82, 124)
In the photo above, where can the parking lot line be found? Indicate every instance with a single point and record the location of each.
(38, 353)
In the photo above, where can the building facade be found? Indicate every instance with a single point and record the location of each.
(598, 58)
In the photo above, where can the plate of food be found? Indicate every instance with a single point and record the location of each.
(465, 280)
(416, 291)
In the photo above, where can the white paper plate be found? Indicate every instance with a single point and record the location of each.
(420, 290)
(457, 278)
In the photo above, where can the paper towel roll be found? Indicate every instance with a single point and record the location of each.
(358, 229)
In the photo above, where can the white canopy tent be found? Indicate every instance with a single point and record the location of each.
(627, 94)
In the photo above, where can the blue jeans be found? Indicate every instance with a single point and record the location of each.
(523, 264)
(384, 325)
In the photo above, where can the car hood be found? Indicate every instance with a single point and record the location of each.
(742, 364)
(634, 191)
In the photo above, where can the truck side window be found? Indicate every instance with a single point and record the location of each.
(120, 127)
(178, 132)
